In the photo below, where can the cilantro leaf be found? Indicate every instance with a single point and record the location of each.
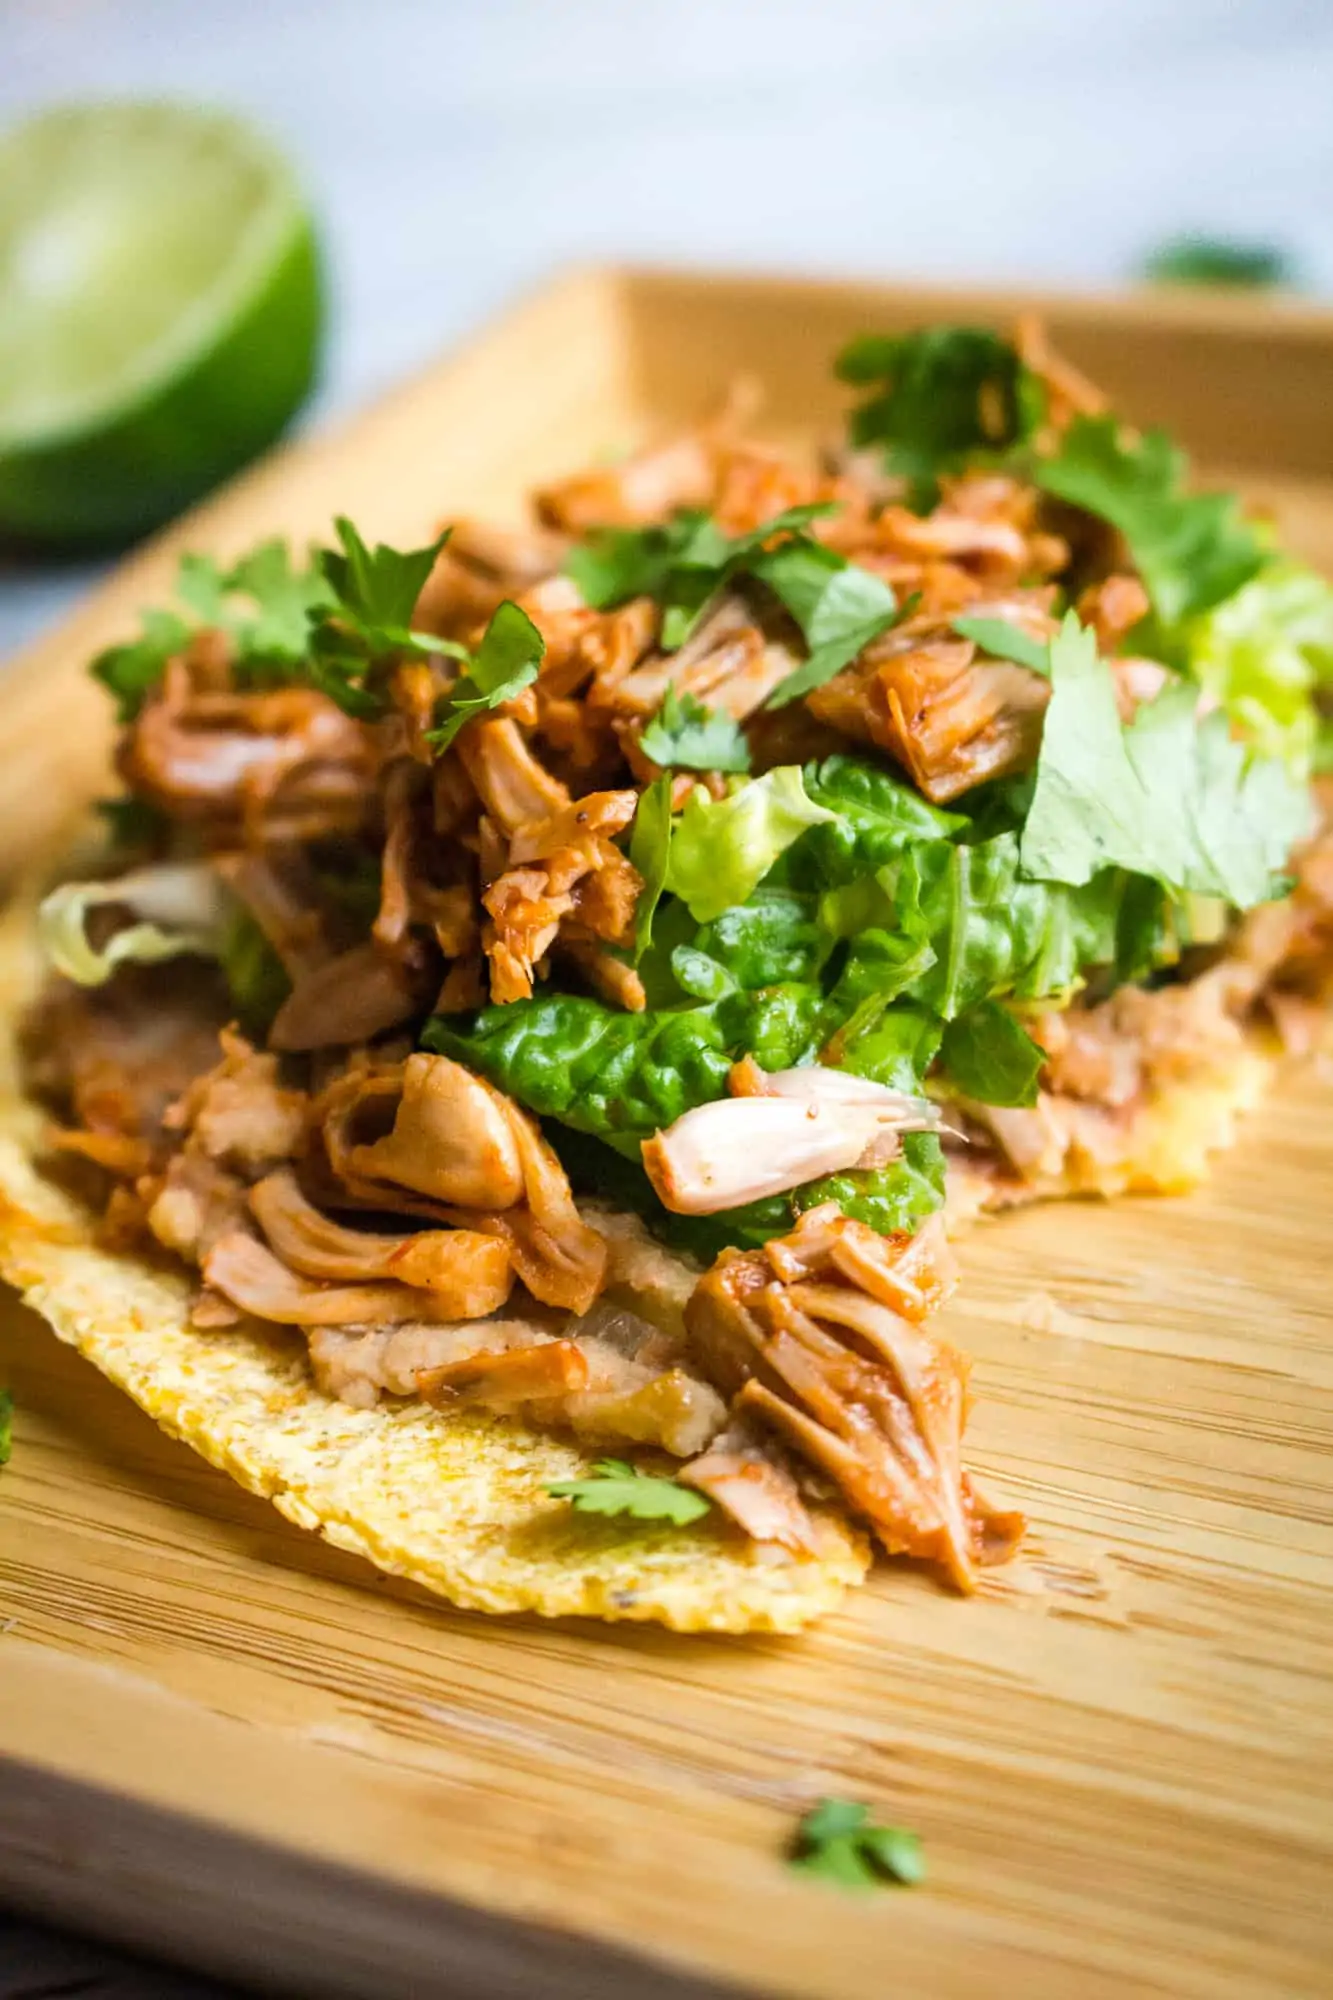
(505, 662)
(684, 735)
(376, 588)
(989, 1056)
(616, 1487)
(840, 1843)
(1170, 797)
(682, 564)
(839, 607)
(284, 598)
(941, 395)
(1004, 640)
(650, 853)
(1191, 549)
(366, 623)
(263, 605)
(6, 1426)
(130, 672)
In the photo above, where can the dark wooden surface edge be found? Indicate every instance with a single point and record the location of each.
(273, 1920)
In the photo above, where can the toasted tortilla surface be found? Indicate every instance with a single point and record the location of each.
(456, 1502)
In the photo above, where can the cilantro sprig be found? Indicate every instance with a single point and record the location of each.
(685, 735)
(1004, 640)
(6, 1426)
(682, 564)
(263, 604)
(940, 396)
(615, 1487)
(1191, 549)
(839, 1842)
(839, 607)
(505, 662)
(367, 625)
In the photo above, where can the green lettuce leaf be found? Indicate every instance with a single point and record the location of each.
(650, 852)
(621, 1076)
(721, 849)
(1169, 797)
(875, 816)
(942, 395)
(1264, 653)
(898, 1196)
(987, 1055)
(1191, 549)
(990, 930)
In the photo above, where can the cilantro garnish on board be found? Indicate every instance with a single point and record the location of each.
(6, 1426)
(615, 1487)
(839, 1842)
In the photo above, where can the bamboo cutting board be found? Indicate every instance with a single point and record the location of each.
(223, 1739)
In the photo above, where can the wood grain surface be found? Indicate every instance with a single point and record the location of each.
(229, 1741)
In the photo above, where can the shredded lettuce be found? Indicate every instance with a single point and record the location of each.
(620, 1076)
(721, 849)
(988, 1055)
(1264, 653)
(174, 910)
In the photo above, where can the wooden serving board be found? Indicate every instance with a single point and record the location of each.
(223, 1739)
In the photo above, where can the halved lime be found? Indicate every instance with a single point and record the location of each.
(160, 313)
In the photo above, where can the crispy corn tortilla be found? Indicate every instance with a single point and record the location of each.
(457, 1502)
(1166, 1148)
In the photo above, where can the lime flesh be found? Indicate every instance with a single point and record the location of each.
(160, 314)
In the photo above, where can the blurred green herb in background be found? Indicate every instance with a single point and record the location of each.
(1218, 260)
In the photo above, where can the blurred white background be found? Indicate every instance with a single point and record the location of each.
(457, 150)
